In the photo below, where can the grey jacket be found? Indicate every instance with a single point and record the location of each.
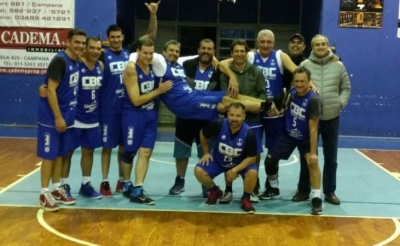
(332, 81)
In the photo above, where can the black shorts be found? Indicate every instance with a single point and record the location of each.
(285, 146)
(186, 132)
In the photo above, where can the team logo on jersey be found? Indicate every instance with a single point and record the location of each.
(109, 57)
(273, 62)
(140, 76)
(239, 142)
(83, 70)
(151, 74)
(98, 70)
(305, 102)
(71, 68)
(126, 55)
(257, 61)
(210, 74)
(223, 137)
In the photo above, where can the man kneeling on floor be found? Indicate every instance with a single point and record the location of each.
(234, 153)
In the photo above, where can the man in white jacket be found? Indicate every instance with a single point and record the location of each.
(331, 78)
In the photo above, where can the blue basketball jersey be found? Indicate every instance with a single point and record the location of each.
(180, 94)
(297, 117)
(202, 78)
(88, 93)
(112, 89)
(228, 151)
(66, 95)
(272, 73)
(146, 85)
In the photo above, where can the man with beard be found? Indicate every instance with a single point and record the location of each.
(251, 83)
(200, 75)
(234, 154)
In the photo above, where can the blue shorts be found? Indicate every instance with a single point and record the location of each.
(111, 130)
(285, 146)
(85, 137)
(214, 169)
(257, 129)
(187, 131)
(52, 143)
(273, 128)
(139, 129)
(201, 107)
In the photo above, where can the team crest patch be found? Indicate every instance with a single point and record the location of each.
(223, 137)
(71, 68)
(273, 62)
(126, 55)
(239, 142)
(305, 102)
(210, 74)
(83, 70)
(109, 57)
(98, 70)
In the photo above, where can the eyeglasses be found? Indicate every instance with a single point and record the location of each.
(296, 42)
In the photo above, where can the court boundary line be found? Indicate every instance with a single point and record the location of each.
(43, 223)
(20, 179)
(377, 164)
(394, 236)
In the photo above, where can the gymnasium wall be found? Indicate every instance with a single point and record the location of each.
(372, 59)
(370, 56)
(18, 93)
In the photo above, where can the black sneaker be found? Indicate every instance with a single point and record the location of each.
(178, 187)
(141, 198)
(316, 206)
(270, 193)
(127, 189)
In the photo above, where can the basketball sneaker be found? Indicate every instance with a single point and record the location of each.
(316, 206)
(127, 189)
(47, 202)
(87, 190)
(105, 189)
(247, 206)
(60, 196)
(213, 196)
(178, 187)
(226, 198)
(120, 186)
(141, 197)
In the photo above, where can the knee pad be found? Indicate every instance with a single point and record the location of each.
(128, 156)
(271, 165)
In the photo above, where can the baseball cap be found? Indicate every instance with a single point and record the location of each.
(297, 35)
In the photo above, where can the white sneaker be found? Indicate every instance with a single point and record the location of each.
(226, 198)
(254, 198)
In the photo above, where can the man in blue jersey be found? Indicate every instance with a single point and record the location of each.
(86, 130)
(272, 63)
(200, 75)
(182, 100)
(139, 119)
(115, 58)
(234, 154)
(251, 83)
(56, 115)
(301, 131)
